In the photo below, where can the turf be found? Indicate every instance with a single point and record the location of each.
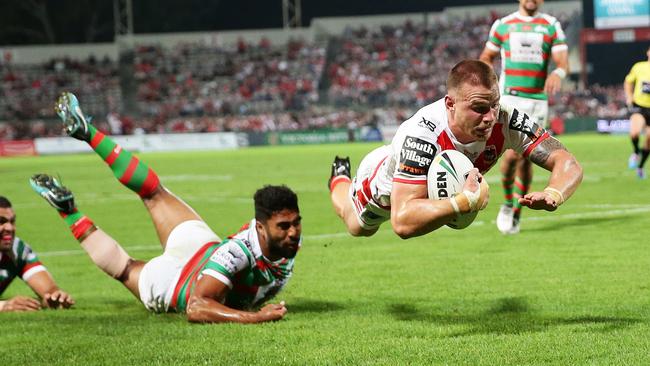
(571, 288)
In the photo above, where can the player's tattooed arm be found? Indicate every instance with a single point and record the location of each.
(566, 175)
(541, 153)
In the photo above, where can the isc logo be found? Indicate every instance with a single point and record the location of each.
(441, 184)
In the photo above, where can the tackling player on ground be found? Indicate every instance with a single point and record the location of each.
(391, 181)
(637, 98)
(527, 40)
(17, 259)
(199, 274)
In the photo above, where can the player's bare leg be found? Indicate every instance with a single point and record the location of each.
(339, 186)
(167, 211)
(637, 123)
(508, 168)
(103, 250)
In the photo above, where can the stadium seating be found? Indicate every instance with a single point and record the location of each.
(352, 78)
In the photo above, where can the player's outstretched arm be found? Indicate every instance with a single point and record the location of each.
(414, 214)
(51, 295)
(205, 306)
(566, 175)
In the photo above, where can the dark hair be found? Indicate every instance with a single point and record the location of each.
(4, 202)
(272, 199)
(473, 72)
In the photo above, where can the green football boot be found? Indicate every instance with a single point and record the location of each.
(74, 121)
(54, 193)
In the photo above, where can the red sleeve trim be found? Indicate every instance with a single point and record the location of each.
(29, 266)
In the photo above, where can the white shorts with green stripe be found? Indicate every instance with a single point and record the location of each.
(159, 276)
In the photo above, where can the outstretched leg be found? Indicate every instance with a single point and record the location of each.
(103, 250)
(167, 211)
(339, 184)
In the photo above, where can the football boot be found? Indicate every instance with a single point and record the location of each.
(74, 121)
(54, 193)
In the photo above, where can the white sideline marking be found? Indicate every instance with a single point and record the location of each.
(550, 217)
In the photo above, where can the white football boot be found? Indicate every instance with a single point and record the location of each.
(505, 220)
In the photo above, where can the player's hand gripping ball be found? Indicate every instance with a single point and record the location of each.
(446, 178)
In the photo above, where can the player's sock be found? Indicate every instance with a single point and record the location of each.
(339, 179)
(80, 225)
(635, 144)
(104, 251)
(507, 184)
(644, 157)
(127, 168)
(520, 189)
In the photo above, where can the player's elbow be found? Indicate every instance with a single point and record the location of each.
(578, 170)
(192, 312)
(195, 310)
(572, 166)
(402, 230)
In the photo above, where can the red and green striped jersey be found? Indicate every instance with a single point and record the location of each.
(20, 262)
(239, 263)
(526, 44)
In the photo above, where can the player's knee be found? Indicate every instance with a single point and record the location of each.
(131, 270)
(158, 191)
(356, 230)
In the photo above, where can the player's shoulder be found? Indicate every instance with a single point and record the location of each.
(511, 116)
(234, 252)
(508, 19)
(238, 246)
(641, 65)
(518, 121)
(427, 122)
(551, 20)
(19, 246)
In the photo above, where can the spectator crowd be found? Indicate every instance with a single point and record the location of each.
(364, 76)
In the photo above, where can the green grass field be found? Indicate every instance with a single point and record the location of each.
(572, 288)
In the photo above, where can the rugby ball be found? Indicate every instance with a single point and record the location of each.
(446, 177)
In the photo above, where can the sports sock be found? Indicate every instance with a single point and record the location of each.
(520, 189)
(104, 251)
(80, 225)
(635, 144)
(127, 168)
(644, 157)
(506, 183)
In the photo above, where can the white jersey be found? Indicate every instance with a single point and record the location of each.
(420, 138)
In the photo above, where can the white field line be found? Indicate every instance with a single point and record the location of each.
(550, 217)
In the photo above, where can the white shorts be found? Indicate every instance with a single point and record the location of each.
(371, 211)
(537, 109)
(159, 276)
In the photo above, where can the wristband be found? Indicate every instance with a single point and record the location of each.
(560, 72)
(556, 194)
(454, 204)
